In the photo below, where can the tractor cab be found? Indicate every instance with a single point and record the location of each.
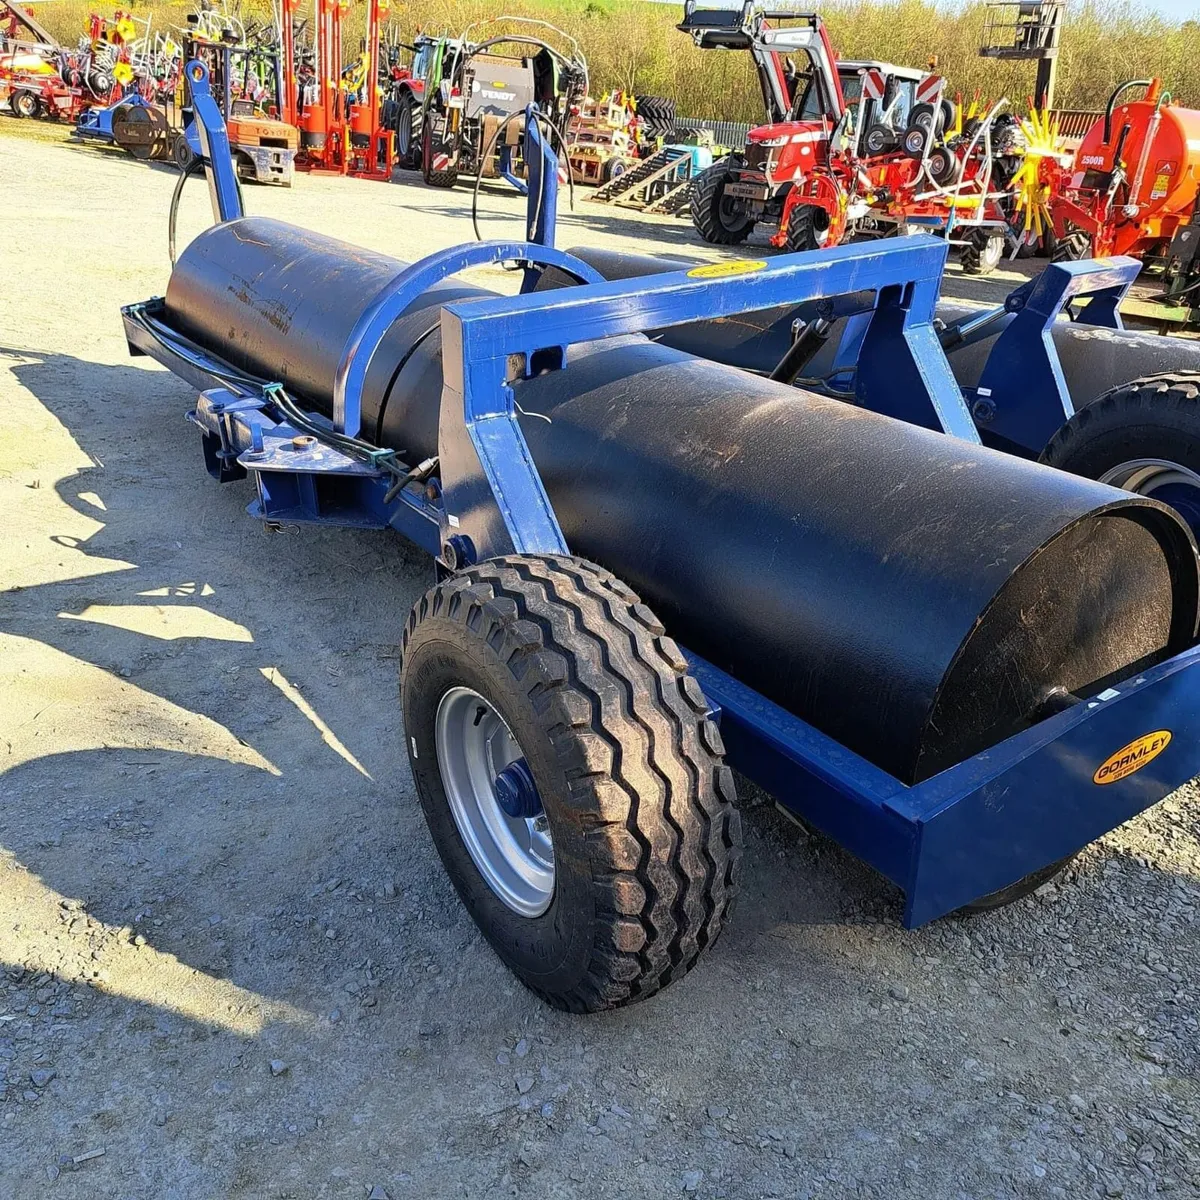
(880, 97)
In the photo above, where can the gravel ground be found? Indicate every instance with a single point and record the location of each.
(230, 963)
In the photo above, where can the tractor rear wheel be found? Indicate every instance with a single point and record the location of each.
(570, 777)
(443, 177)
(24, 103)
(808, 228)
(982, 253)
(409, 142)
(1144, 437)
(719, 219)
(1075, 246)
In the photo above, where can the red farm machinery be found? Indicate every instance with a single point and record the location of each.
(866, 148)
(338, 110)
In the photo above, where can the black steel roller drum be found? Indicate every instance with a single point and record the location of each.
(915, 597)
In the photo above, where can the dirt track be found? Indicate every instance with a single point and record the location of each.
(229, 958)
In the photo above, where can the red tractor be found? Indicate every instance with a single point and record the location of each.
(851, 147)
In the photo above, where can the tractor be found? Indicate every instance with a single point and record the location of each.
(475, 95)
(850, 147)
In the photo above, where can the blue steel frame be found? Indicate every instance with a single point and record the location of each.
(975, 828)
(1022, 395)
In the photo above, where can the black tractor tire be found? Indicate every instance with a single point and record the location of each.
(808, 228)
(24, 103)
(446, 178)
(657, 117)
(409, 142)
(1154, 419)
(1003, 897)
(983, 253)
(1076, 246)
(182, 152)
(715, 217)
(626, 762)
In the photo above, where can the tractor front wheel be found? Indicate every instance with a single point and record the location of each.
(409, 143)
(719, 219)
(982, 253)
(808, 228)
(1144, 437)
(570, 776)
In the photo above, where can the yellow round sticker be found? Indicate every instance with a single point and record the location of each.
(1132, 757)
(739, 266)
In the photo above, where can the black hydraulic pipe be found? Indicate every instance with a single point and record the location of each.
(809, 340)
(913, 596)
(1112, 102)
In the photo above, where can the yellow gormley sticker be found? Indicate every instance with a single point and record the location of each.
(739, 266)
(1132, 757)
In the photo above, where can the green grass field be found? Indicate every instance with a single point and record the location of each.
(635, 45)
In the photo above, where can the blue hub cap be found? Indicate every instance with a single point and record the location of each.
(516, 792)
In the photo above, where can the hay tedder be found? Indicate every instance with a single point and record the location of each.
(651, 566)
(851, 147)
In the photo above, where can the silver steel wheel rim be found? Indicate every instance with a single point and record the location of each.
(514, 855)
(1145, 476)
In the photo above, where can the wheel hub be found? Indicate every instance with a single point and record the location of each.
(494, 801)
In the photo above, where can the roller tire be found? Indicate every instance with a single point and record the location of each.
(628, 765)
(1075, 247)
(983, 253)
(706, 204)
(1003, 897)
(442, 179)
(808, 228)
(1153, 417)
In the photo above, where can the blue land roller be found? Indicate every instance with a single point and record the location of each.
(962, 664)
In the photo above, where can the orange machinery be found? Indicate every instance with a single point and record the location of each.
(1133, 184)
(337, 136)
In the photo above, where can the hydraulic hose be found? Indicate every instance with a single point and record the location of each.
(198, 163)
(544, 121)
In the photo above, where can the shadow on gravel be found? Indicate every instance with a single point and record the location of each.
(190, 674)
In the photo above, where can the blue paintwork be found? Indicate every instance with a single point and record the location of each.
(97, 122)
(209, 126)
(975, 828)
(407, 286)
(1022, 395)
(491, 486)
